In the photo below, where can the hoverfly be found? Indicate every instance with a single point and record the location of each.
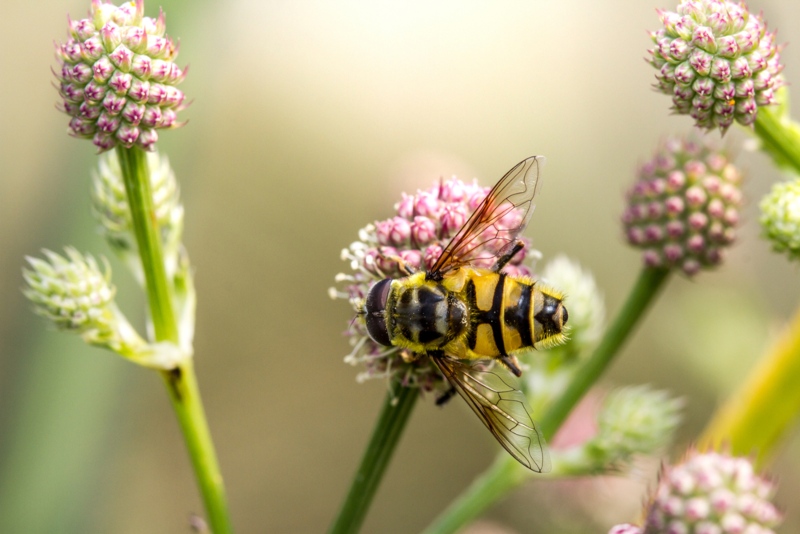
(464, 313)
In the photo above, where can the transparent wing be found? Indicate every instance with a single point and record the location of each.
(501, 407)
(497, 221)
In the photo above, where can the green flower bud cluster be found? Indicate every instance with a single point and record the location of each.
(780, 217)
(76, 295)
(634, 420)
(110, 205)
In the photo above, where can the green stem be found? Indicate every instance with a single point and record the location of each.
(506, 474)
(185, 396)
(503, 475)
(391, 422)
(780, 138)
(181, 382)
(136, 174)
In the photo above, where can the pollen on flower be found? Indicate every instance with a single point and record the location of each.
(412, 239)
(105, 74)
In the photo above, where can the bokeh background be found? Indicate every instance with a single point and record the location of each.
(308, 120)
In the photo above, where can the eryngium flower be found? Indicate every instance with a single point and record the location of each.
(684, 208)
(117, 76)
(717, 60)
(780, 217)
(634, 420)
(76, 295)
(421, 228)
(712, 492)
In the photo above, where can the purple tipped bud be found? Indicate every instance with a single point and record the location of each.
(711, 492)
(423, 230)
(109, 58)
(684, 215)
(707, 44)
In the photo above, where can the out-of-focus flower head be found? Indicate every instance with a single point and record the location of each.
(712, 492)
(684, 207)
(780, 217)
(110, 207)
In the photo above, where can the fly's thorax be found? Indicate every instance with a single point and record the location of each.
(424, 315)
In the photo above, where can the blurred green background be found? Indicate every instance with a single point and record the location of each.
(308, 120)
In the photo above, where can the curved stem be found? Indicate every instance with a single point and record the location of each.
(506, 474)
(181, 382)
(780, 138)
(499, 480)
(740, 425)
(391, 422)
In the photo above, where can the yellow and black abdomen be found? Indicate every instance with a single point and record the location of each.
(509, 314)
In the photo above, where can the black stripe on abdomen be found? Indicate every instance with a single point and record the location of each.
(472, 304)
(490, 316)
(497, 308)
(518, 316)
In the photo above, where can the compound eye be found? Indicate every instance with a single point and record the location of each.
(375, 308)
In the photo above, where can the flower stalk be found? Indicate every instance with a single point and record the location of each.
(779, 136)
(135, 174)
(506, 474)
(392, 420)
(181, 381)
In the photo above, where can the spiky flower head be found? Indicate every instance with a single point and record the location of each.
(712, 492)
(684, 208)
(717, 60)
(76, 295)
(110, 204)
(117, 76)
(634, 420)
(422, 226)
(780, 217)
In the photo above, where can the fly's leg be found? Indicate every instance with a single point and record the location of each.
(512, 363)
(505, 258)
(446, 396)
(404, 268)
